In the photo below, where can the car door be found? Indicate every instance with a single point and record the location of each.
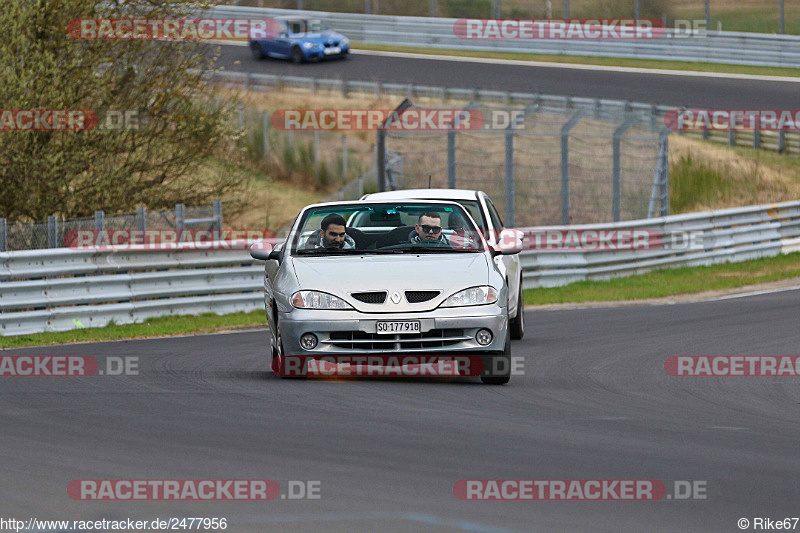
(281, 45)
(510, 262)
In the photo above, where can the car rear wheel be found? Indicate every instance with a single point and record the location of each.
(500, 371)
(517, 324)
(297, 55)
(256, 52)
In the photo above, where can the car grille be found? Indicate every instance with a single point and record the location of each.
(414, 297)
(359, 340)
(377, 297)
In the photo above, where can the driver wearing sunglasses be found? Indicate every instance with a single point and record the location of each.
(428, 229)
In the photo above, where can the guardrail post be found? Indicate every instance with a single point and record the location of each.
(179, 218)
(313, 85)
(617, 188)
(451, 159)
(99, 220)
(510, 177)
(732, 137)
(3, 235)
(565, 200)
(432, 8)
(566, 9)
(380, 146)
(345, 88)
(378, 89)
(141, 219)
(241, 115)
(636, 9)
(265, 135)
(782, 12)
(52, 232)
(781, 141)
(757, 135)
(216, 208)
(367, 7)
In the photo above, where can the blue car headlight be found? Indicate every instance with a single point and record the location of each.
(309, 46)
(345, 41)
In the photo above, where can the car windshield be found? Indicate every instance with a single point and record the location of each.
(386, 228)
(315, 26)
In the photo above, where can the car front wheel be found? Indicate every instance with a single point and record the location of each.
(499, 372)
(256, 52)
(297, 55)
(517, 324)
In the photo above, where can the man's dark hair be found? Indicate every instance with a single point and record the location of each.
(332, 219)
(429, 215)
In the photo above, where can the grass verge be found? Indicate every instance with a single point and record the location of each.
(154, 327)
(586, 60)
(671, 282)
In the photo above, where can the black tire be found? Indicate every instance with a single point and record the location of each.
(501, 362)
(517, 324)
(297, 55)
(256, 52)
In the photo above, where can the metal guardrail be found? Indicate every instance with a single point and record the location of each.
(62, 289)
(736, 48)
(728, 235)
(651, 115)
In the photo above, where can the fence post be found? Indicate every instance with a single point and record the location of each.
(617, 187)
(664, 142)
(241, 115)
(565, 129)
(451, 159)
(3, 235)
(781, 141)
(732, 137)
(216, 208)
(509, 177)
(344, 156)
(378, 89)
(265, 134)
(432, 8)
(345, 88)
(52, 232)
(141, 219)
(316, 153)
(380, 143)
(99, 220)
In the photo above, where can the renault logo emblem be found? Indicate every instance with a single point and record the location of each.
(396, 297)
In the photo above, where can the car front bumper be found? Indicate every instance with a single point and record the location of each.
(447, 330)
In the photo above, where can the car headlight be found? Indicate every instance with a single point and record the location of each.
(345, 41)
(318, 300)
(309, 46)
(473, 296)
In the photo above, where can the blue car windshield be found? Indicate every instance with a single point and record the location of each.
(395, 227)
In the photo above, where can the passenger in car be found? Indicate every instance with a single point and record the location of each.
(331, 235)
(428, 229)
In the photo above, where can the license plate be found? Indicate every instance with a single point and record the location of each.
(398, 326)
(334, 50)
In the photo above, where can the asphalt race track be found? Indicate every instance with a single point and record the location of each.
(698, 91)
(595, 403)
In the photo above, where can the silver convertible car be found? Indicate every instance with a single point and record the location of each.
(389, 279)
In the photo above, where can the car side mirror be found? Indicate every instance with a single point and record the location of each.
(262, 251)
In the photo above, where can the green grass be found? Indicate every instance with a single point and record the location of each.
(692, 182)
(583, 60)
(671, 282)
(762, 19)
(155, 327)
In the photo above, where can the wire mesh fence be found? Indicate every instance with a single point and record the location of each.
(58, 232)
(552, 167)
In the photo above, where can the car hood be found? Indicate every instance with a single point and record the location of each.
(344, 275)
(322, 37)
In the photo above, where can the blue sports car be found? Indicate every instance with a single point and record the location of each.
(301, 40)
